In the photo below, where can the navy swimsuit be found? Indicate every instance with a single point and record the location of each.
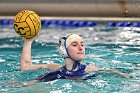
(63, 73)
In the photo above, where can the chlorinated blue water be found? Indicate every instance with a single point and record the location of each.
(115, 48)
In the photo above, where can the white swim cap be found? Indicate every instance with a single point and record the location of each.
(64, 42)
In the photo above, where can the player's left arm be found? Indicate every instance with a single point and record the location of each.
(95, 68)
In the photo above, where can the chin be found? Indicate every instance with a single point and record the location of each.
(80, 59)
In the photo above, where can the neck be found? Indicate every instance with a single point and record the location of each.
(69, 63)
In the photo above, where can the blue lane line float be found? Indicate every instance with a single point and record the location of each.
(45, 22)
(59, 23)
(11, 21)
(123, 24)
(81, 23)
(6, 21)
(120, 24)
(90, 23)
(68, 23)
(111, 24)
(76, 23)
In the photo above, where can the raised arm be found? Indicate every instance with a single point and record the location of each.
(25, 60)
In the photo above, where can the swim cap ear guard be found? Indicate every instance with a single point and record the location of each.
(62, 47)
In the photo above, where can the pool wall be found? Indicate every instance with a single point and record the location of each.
(73, 8)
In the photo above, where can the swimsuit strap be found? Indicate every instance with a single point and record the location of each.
(79, 72)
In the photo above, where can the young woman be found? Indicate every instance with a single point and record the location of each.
(73, 51)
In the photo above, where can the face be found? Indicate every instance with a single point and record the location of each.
(77, 50)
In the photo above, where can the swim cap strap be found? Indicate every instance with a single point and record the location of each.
(75, 64)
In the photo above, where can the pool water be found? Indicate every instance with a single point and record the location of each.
(115, 48)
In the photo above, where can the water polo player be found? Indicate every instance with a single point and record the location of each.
(72, 50)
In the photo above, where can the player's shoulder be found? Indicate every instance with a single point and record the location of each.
(91, 68)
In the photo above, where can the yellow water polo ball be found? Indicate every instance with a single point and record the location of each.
(27, 24)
